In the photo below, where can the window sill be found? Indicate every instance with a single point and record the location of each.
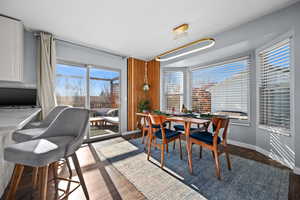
(277, 131)
(240, 123)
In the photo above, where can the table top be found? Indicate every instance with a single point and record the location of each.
(180, 119)
(187, 119)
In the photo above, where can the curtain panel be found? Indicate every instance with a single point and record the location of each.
(46, 73)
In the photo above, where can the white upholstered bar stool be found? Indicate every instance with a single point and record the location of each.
(60, 140)
(49, 118)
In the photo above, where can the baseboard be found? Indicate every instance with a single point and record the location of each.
(241, 144)
(264, 152)
(297, 170)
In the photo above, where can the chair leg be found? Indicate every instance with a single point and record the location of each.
(149, 147)
(44, 182)
(180, 149)
(35, 177)
(190, 144)
(143, 135)
(80, 176)
(213, 155)
(69, 167)
(174, 143)
(200, 152)
(217, 161)
(55, 175)
(167, 148)
(227, 158)
(15, 180)
(162, 158)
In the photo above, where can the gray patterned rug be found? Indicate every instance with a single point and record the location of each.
(247, 180)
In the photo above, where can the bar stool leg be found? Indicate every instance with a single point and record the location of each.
(35, 177)
(55, 177)
(44, 181)
(15, 180)
(80, 176)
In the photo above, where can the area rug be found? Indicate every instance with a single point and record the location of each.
(248, 179)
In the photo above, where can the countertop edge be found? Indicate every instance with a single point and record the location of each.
(22, 123)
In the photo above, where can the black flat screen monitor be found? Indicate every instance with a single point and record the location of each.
(17, 97)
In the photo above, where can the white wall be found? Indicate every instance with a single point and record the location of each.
(241, 41)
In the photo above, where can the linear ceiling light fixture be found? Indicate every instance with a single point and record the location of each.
(211, 42)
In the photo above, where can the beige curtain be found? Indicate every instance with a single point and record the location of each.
(46, 73)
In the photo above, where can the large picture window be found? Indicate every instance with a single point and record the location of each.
(274, 85)
(222, 88)
(173, 90)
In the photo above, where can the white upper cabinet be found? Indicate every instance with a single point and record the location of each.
(11, 49)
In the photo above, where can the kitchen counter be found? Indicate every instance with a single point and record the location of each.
(11, 120)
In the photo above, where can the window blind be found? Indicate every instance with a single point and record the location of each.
(222, 88)
(274, 85)
(173, 90)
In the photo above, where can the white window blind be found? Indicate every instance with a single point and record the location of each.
(173, 90)
(274, 86)
(222, 88)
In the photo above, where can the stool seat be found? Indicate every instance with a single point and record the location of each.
(39, 152)
(24, 135)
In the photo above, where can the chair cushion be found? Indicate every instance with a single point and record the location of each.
(24, 135)
(181, 128)
(39, 152)
(169, 133)
(205, 136)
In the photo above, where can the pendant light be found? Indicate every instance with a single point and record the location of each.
(146, 86)
(211, 42)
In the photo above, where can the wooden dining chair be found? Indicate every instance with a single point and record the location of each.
(212, 141)
(158, 130)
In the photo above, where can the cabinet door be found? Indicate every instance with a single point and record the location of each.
(11, 50)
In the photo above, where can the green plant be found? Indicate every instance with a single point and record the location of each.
(144, 105)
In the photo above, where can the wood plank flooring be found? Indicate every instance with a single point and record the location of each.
(105, 182)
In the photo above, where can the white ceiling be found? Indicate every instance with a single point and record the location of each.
(137, 28)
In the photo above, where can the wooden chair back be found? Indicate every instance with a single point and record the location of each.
(219, 123)
(157, 120)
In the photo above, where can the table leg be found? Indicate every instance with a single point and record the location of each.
(188, 146)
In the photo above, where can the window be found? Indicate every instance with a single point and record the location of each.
(274, 85)
(222, 88)
(92, 87)
(70, 85)
(173, 90)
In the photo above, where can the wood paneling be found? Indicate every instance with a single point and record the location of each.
(154, 81)
(136, 71)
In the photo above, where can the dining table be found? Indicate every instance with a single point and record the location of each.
(187, 121)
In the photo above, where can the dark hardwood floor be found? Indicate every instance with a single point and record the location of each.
(105, 182)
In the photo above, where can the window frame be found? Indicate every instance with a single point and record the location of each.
(163, 94)
(279, 131)
(227, 61)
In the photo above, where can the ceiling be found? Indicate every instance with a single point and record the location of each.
(137, 28)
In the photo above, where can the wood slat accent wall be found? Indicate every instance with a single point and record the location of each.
(154, 82)
(136, 71)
